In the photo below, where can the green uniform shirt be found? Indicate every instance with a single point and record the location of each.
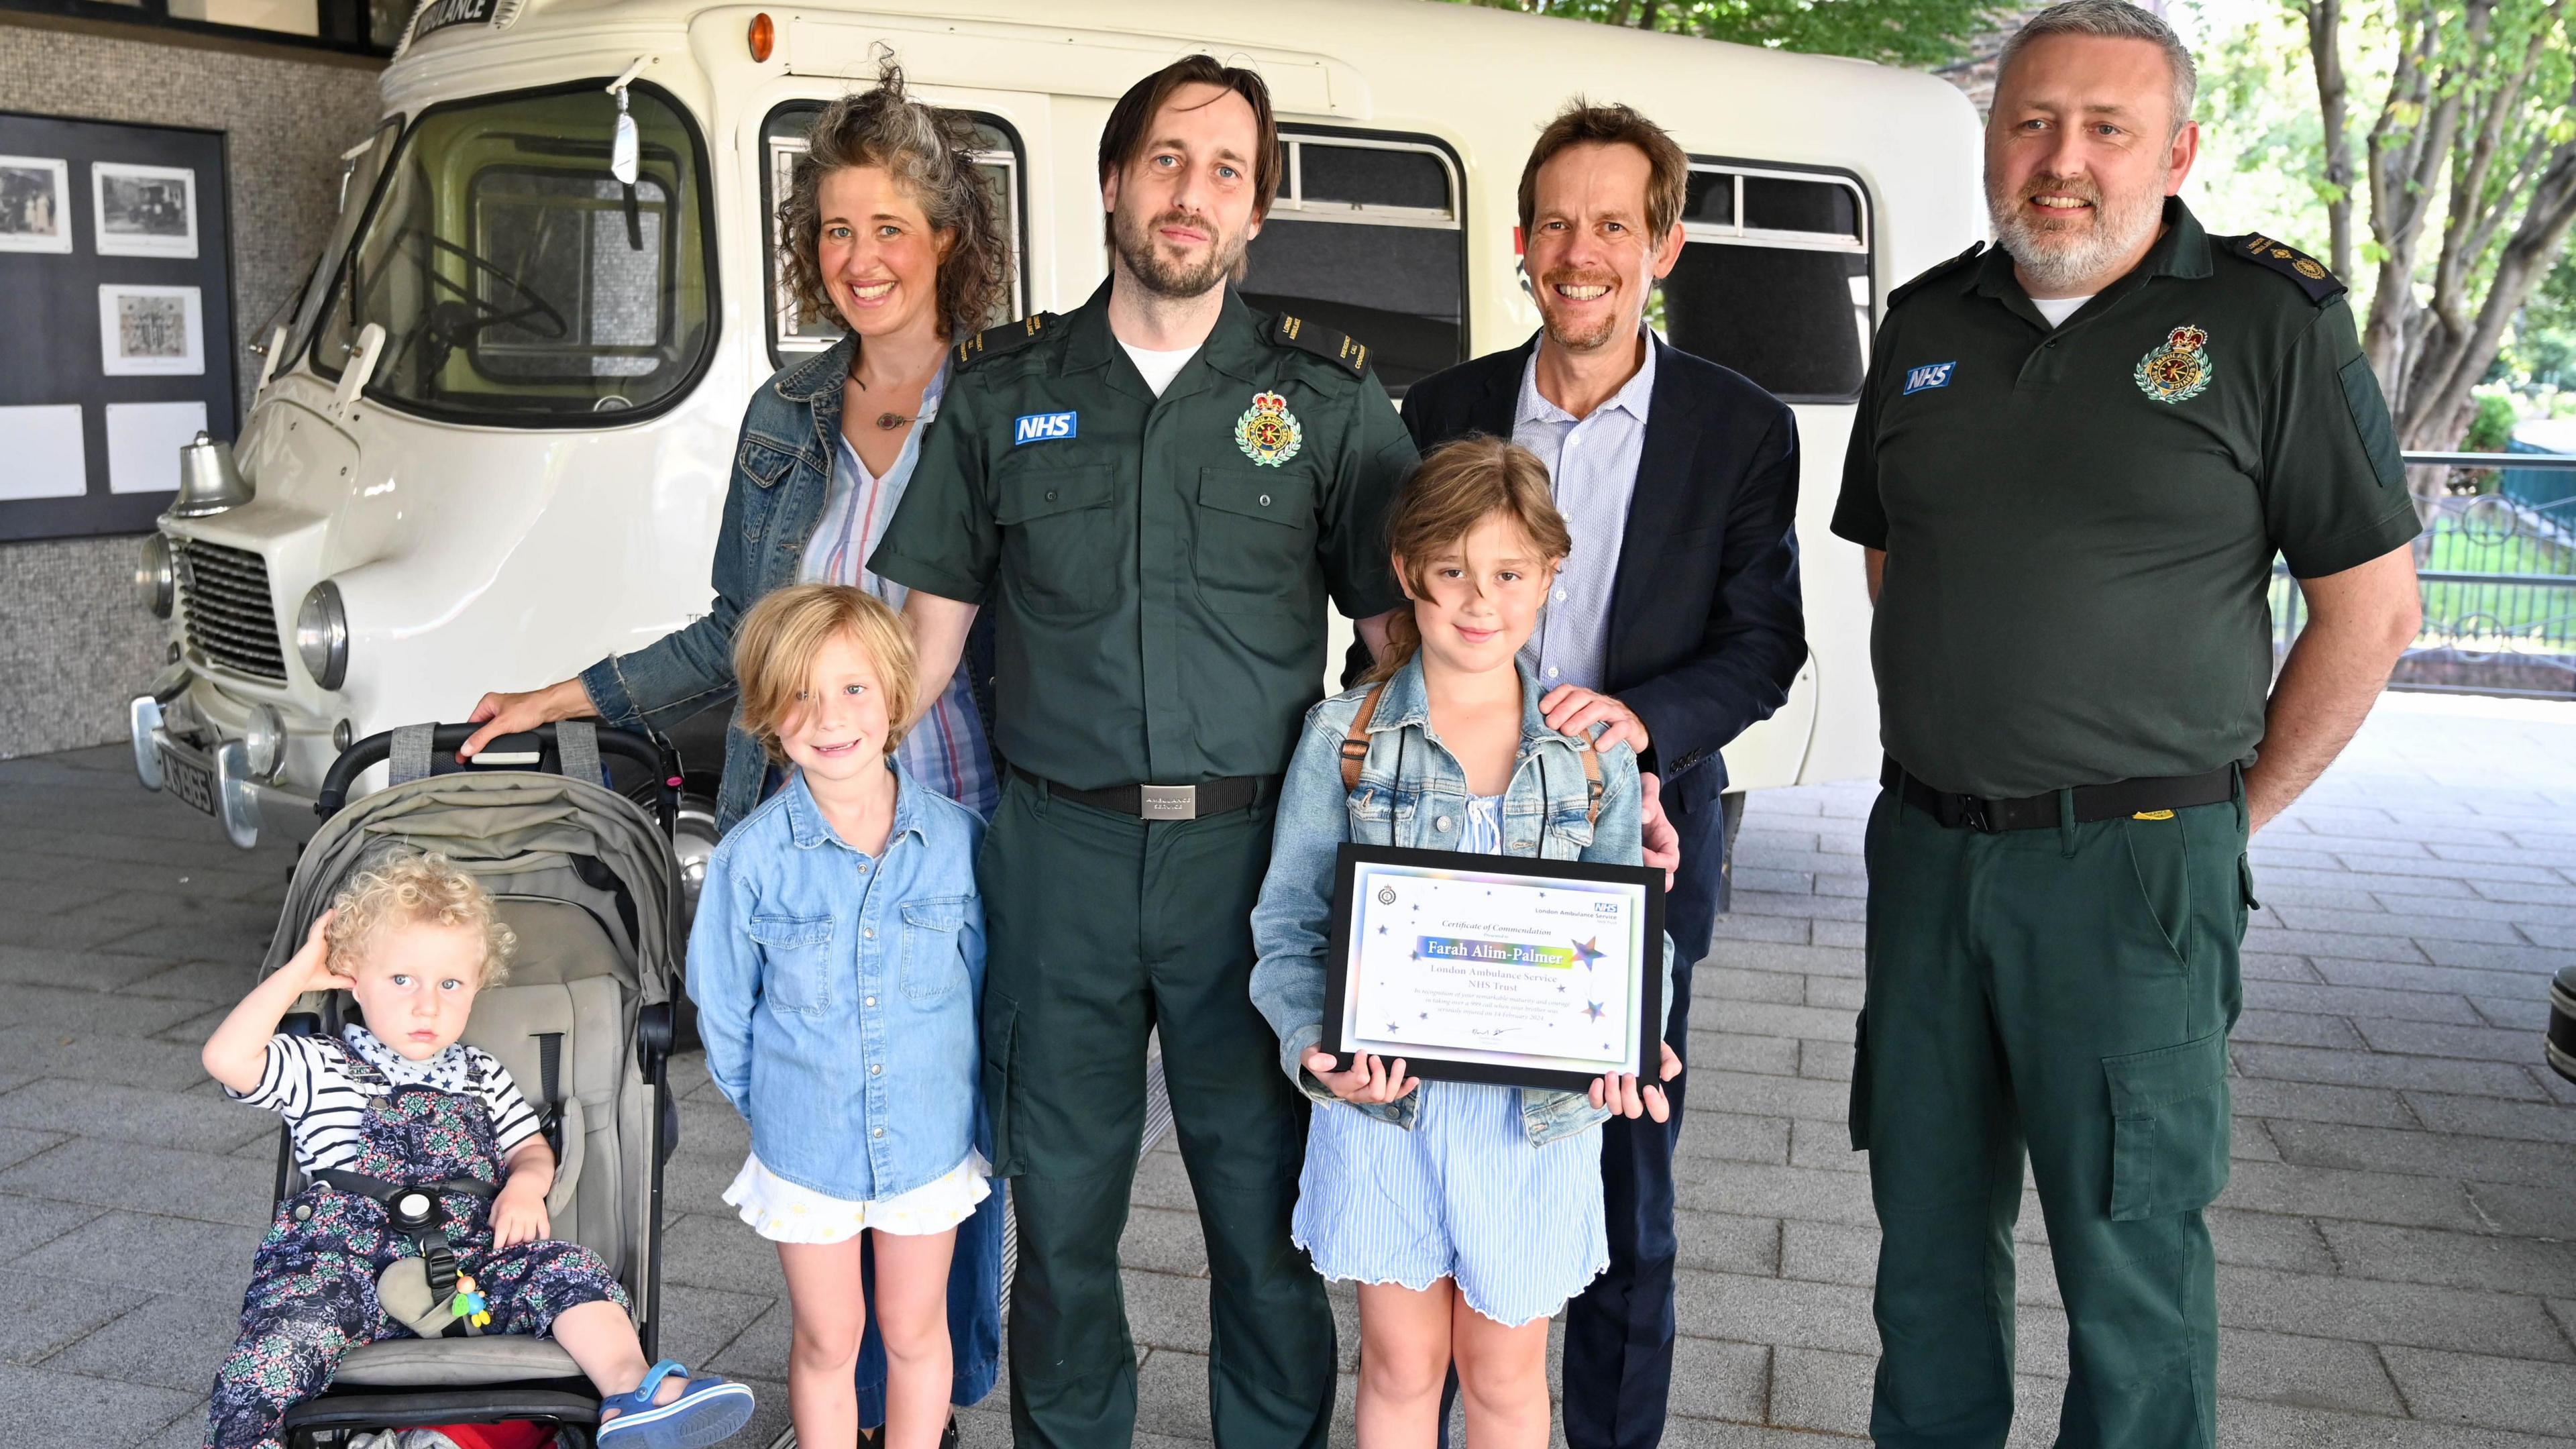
(1159, 566)
(2080, 522)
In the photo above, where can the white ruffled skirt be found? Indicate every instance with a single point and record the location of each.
(783, 1212)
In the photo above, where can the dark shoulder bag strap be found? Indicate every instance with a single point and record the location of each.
(1355, 745)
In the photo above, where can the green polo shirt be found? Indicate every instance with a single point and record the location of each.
(2080, 521)
(1158, 565)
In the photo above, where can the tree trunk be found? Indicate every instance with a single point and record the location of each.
(2437, 406)
(2409, 146)
(2325, 52)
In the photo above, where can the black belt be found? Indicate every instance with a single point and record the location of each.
(1161, 802)
(2040, 812)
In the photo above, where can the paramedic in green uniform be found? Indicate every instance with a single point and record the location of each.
(2075, 457)
(1155, 492)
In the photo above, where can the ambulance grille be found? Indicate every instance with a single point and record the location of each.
(231, 621)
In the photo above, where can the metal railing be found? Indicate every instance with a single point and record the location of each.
(2498, 573)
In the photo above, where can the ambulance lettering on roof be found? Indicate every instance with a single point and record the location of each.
(440, 14)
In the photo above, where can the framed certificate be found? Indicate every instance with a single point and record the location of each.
(1494, 968)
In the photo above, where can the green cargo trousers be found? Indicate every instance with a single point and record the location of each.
(2066, 993)
(1102, 928)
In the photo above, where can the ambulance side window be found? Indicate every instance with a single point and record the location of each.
(1366, 237)
(1774, 277)
(998, 160)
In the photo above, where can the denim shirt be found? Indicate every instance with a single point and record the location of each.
(782, 477)
(1413, 793)
(837, 993)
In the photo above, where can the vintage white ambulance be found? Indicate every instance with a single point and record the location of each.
(491, 442)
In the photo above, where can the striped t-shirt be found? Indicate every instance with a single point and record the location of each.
(320, 1088)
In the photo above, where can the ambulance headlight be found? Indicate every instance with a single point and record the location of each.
(156, 578)
(322, 635)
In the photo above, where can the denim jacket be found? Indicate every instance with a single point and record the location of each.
(837, 993)
(782, 477)
(1413, 793)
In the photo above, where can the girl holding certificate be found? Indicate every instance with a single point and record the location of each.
(1468, 1213)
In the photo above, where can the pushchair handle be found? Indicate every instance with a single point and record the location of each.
(446, 738)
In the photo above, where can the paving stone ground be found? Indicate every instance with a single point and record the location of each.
(2395, 1265)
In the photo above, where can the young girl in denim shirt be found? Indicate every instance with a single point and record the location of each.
(837, 960)
(1467, 1213)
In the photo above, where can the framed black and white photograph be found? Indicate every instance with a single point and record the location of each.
(144, 211)
(151, 331)
(35, 204)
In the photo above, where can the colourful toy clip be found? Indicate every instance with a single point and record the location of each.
(469, 1303)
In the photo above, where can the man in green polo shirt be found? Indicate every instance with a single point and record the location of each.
(1156, 492)
(2075, 458)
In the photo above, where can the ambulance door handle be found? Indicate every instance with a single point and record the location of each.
(362, 365)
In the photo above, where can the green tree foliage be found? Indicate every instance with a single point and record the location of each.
(2444, 160)
(1920, 33)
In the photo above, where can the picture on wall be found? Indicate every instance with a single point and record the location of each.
(35, 204)
(144, 211)
(151, 331)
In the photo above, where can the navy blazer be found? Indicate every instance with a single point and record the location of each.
(1706, 627)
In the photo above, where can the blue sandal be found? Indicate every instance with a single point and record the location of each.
(709, 1410)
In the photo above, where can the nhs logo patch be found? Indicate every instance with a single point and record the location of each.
(1042, 428)
(1935, 374)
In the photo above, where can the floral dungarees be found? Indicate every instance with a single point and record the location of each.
(312, 1293)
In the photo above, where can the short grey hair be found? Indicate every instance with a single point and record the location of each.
(2116, 20)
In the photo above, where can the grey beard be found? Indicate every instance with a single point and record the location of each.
(2056, 261)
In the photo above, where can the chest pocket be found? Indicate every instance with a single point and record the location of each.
(760, 472)
(796, 961)
(934, 969)
(1060, 539)
(1256, 536)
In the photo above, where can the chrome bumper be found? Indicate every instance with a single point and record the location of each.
(243, 804)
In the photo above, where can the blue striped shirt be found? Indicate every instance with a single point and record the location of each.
(1592, 462)
(946, 750)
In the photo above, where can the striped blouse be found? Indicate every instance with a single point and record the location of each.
(322, 1088)
(946, 750)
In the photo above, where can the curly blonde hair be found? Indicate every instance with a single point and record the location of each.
(412, 888)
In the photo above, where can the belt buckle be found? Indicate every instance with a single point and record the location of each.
(1168, 802)
(1972, 814)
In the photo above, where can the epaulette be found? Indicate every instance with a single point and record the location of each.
(1974, 251)
(1324, 342)
(1009, 337)
(2321, 285)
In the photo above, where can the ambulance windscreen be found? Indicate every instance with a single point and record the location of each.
(517, 280)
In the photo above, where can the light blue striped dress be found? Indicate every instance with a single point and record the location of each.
(1463, 1195)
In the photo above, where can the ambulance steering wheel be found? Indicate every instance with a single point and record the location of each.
(491, 314)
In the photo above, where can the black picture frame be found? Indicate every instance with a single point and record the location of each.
(1432, 1066)
(50, 304)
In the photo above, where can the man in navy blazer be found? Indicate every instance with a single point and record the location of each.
(1676, 618)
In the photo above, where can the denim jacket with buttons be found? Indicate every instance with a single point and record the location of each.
(1413, 793)
(782, 477)
(837, 993)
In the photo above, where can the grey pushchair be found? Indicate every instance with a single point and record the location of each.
(587, 878)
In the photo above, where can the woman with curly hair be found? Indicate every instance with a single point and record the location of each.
(887, 226)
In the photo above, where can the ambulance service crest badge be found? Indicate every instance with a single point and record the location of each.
(2178, 369)
(1267, 432)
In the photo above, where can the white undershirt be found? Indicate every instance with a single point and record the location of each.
(2058, 309)
(1159, 368)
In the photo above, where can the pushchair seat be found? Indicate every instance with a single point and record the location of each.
(583, 1025)
(426, 1363)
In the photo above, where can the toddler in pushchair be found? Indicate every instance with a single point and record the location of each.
(410, 1277)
